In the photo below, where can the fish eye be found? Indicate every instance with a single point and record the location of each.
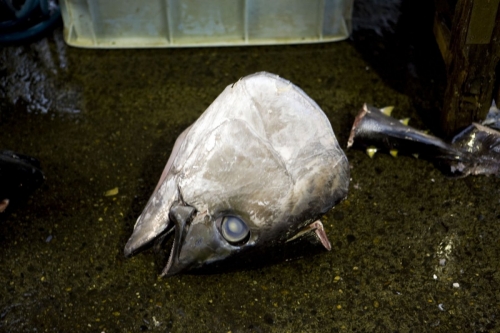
(234, 230)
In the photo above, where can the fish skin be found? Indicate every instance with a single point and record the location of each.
(264, 152)
(474, 151)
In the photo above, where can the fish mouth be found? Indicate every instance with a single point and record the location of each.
(140, 241)
(181, 216)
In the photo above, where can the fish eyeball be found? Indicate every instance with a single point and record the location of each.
(234, 230)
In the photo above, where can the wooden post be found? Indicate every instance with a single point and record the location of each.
(471, 55)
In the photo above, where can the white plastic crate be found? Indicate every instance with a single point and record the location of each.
(182, 23)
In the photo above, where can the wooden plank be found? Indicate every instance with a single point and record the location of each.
(471, 73)
(482, 21)
(443, 36)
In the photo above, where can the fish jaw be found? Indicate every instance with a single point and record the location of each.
(197, 243)
(154, 219)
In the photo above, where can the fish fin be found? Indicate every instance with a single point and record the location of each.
(393, 152)
(415, 155)
(371, 151)
(318, 229)
(387, 110)
(320, 232)
(404, 121)
(3, 205)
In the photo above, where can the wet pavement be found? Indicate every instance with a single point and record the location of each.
(412, 250)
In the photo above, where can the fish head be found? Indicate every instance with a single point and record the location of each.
(261, 164)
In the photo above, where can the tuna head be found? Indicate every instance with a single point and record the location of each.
(258, 167)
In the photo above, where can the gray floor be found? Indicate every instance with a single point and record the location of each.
(413, 251)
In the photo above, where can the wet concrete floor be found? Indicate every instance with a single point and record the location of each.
(413, 251)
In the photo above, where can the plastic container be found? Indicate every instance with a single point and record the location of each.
(182, 23)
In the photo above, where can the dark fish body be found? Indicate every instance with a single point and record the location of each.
(20, 175)
(372, 127)
(254, 173)
(473, 151)
(483, 144)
